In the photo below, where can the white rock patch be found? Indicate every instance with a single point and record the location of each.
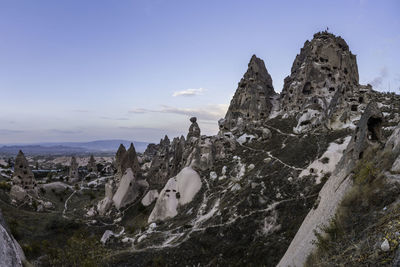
(178, 191)
(334, 153)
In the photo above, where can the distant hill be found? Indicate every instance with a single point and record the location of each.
(65, 148)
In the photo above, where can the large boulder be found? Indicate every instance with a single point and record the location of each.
(11, 253)
(178, 191)
(129, 189)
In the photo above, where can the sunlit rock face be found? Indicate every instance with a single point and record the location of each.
(323, 87)
(10, 252)
(23, 175)
(251, 101)
(178, 191)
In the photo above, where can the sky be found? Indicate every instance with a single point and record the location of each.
(137, 70)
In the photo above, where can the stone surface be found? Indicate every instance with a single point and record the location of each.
(323, 87)
(129, 189)
(194, 129)
(23, 175)
(178, 191)
(73, 170)
(91, 166)
(11, 253)
(150, 197)
(367, 134)
(252, 99)
(385, 245)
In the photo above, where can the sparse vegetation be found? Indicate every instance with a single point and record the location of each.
(354, 235)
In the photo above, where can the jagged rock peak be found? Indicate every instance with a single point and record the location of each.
(23, 174)
(323, 87)
(91, 166)
(194, 129)
(73, 169)
(130, 160)
(251, 101)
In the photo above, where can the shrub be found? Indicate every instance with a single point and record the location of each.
(80, 250)
(5, 186)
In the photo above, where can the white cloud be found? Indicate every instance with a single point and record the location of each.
(208, 112)
(377, 81)
(189, 92)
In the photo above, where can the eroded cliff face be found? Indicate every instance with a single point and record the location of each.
(11, 253)
(262, 174)
(253, 97)
(239, 197)
(323, 87)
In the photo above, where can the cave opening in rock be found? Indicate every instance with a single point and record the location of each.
(354, 107)
(374, 128)
(307, 89)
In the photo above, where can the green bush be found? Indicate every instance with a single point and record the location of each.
(5, 186)
(80, 250)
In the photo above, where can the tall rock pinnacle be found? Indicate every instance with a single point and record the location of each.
(251, 101)
(323, 85)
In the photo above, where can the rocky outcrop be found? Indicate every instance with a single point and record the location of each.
(11, 253)
(23, 175)
(129, 189)
(252, 99)
(24, 182)
(73, 170)
(178, 191)
(126, 159)
(167, 162)
(332, 193)
(91, 166)
(323, 87)
(194, 129)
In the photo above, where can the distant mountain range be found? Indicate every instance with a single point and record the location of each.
(66, 148)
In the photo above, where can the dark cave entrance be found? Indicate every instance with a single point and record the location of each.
(374, 128)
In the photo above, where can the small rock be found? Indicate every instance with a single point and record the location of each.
(213, 175)
(385, 245)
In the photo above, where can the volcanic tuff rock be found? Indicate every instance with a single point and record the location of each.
(126, 159)
(11, 253)
(24, 182)
(23, 175)
(367, 134)
(91, 166)
(73, 170)
(323, 88)
(252, 99)
(194, 130)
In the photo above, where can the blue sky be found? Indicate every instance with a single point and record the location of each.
(86, 70)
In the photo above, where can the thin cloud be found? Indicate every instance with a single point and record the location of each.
(209, 112)
(9, 132)
(140, 110)
(189, 92)
(81, 110)
(114, 119)
(59, 131)
(377, 81)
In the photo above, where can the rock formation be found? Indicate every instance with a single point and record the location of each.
(129, 189)
(73, 170)
(23, 175)
(323, 88)
(194, 130)
(91, 166)
(178, 191)
(23, 179)
(252, 99)
(11, 253)
(126, 159)
(366, 134)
